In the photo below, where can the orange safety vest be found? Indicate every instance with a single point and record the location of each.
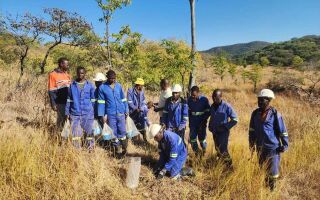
(58, 79)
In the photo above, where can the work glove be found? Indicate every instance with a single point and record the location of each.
(161, 174)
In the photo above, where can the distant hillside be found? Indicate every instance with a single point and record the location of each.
(306, 48)
(238, 49)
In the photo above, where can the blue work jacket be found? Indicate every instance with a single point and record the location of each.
(199, 111)
(175, 114)
(80, 101)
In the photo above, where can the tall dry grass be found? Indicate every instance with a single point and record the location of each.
(34, 166)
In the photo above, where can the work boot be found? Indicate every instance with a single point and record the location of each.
(124, 144)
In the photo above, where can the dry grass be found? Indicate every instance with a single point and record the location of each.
(34, 166)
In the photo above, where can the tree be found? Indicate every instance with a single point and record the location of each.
(220, 65)
(297, 61)
(108, 8)
(264, 61)
(178, 59)
(66, 28)
(126, 45)
(25, 30)
(255, 75)
(232, 69)
(193, 44)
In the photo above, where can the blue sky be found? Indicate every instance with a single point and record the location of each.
(219, 22)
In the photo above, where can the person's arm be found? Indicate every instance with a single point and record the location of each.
(185, 116)
(164, 119)
(69, 100)
(93, 96)
(233, 118)
(173, 155)
(207, 110)
(101, 102)
(161, 161)
(283, 134)
(252, 133)
(132, 107)
(124, 101)
(52, 91)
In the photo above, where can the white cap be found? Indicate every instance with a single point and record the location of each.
(99, 77)
(153, 130)
(266, 93)
(177, 88)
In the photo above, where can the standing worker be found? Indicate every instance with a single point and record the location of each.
(99, 79)
(58, 84)
(220, 125)
(113, 110)
(80, 109)
(268, 135)
(164, 95)
(175, 112)
(199, 112)
(173, 153)
(138, 109)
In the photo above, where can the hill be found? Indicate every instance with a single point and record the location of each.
(238, 49)
(283, 53)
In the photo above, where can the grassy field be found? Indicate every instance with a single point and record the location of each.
(34, 166)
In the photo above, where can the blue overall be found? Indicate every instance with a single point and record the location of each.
(173, 153)
(136, 100)
(175, 116)
(199, 112)
(267, 136)
(80, 108)
(220, 126)
(113, 104)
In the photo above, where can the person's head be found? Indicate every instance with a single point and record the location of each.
(176, 92)
(99, 79)
(156, 132)
(217, 96)
(195, 93)
(81, 73)
(63, 64)
(139, 83)
(264, 98)
(164, 84)
(111, 76)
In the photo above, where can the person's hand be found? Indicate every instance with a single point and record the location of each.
(281, 149)
(54, 108)
(138, 110)
(105, 119)
(126, 115)
(161, 174)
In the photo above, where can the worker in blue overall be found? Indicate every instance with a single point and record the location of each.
(173, 153)
(80, 109)
(138, 109)
(222, 119)
(268, 136)
(113, 110)
(175, 112)
(199, 112)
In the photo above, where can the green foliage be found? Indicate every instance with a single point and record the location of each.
(232, 69)
(264, 61)
(255, 75)
(220, 65)
(297, 61)
(282, 54)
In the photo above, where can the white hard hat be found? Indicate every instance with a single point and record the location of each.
(99, 77)
(177, 88)
(153, 130)
(266, 93)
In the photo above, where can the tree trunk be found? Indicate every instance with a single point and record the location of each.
(44, 61)
(193, 44)
(107, 43)
(22, 59)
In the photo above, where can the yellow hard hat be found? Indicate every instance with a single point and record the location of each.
(139, 81)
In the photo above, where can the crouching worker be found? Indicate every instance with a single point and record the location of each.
(268, 135)
(173, 153)
(80, 109)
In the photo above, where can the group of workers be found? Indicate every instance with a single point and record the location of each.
(82, 103)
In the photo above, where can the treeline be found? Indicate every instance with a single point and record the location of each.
(35, 44)
(297, 52)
